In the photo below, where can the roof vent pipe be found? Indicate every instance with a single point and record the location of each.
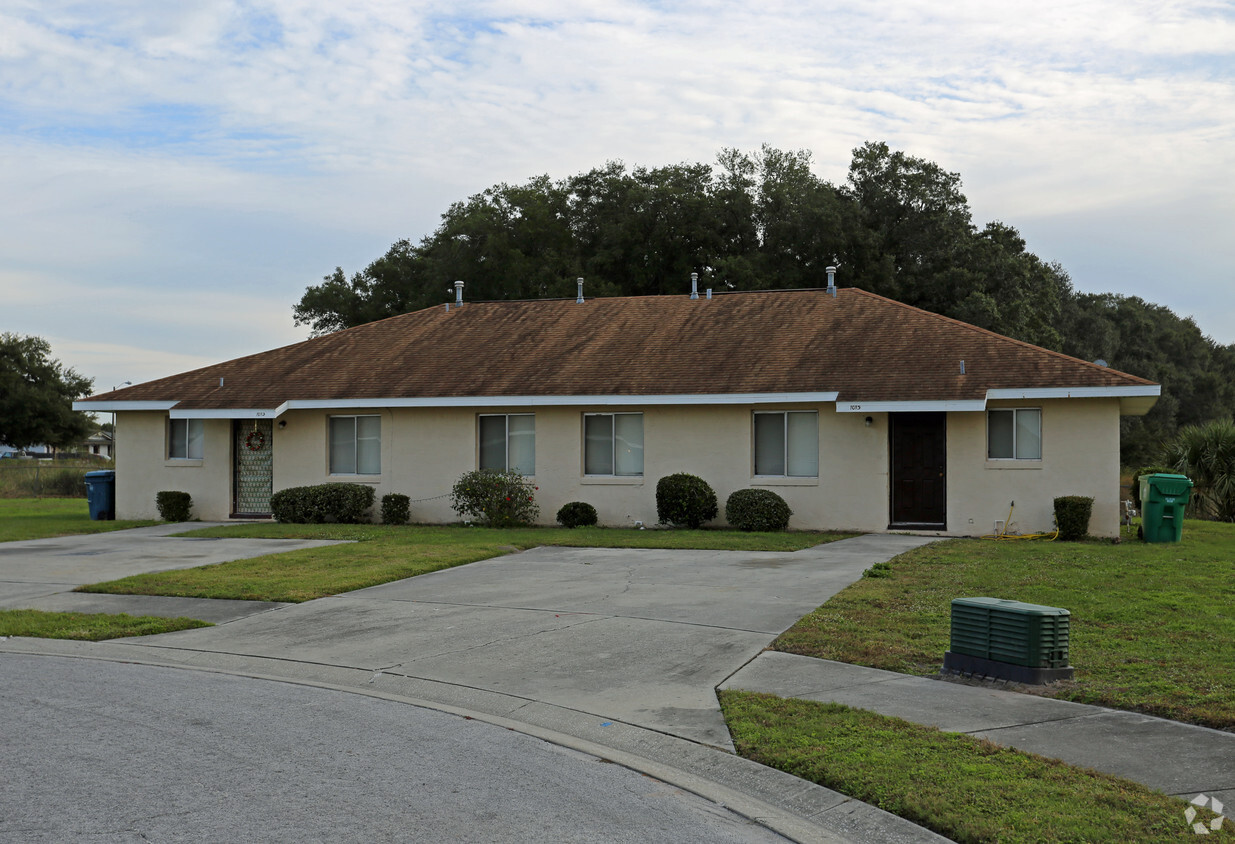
(458, 294)
(832, 281)
(694, 285)
(579, 301)
(709, 293)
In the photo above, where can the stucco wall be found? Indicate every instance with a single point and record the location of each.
(425, 450)
(143, 470)
(1080, 456)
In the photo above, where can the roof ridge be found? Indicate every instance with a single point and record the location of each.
(998, 336)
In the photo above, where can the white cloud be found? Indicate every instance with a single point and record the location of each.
(182, 172)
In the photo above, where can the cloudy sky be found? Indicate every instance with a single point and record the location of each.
(175, 174)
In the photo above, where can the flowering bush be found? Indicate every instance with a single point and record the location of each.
(496, 499)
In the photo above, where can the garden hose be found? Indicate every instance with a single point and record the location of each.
(1004, 535)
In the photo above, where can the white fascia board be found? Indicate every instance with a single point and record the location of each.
(113, 406)
(227, 413)
(560, 401)
(952, 405)
(1075, 392)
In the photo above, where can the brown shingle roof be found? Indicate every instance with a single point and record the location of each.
(864, 346)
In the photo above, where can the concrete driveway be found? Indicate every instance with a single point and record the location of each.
(40, 574)
(613, 652)
(642, 636)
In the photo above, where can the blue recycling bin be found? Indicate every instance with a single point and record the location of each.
(101, 493)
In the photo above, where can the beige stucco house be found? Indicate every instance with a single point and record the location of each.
(861, 412)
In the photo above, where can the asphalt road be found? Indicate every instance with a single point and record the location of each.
(112, 752)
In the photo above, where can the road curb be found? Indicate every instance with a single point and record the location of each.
(799, 810)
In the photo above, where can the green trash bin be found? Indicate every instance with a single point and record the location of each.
(1163, 500)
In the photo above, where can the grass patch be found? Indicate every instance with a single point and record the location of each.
(585, 537)
(39, 518)
(92, 627)
(1152, 627)
(967, 789)
(382, 553)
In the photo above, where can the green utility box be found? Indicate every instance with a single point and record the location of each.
(1163, 501)
(1009, 640)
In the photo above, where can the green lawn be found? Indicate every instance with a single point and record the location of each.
(1152, 626)
(39, 518)
(382, 553)
(93, 627)
(967, 789)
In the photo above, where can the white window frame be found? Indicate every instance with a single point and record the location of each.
(1015, 411)
(613, 442)
(355, 466)
(186, 439)
(506, 467)
(784, 414)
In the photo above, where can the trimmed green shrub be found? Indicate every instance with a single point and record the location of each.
(315, 505)
(757, 509)
(684, 499)
(173, 506)
(1136, 481)
(496, 499)
(396, 508)
(577, 514)
(1072, 514)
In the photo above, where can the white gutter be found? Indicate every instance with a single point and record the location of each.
(229, 413)
(562, 401)
(113, 406)
(956, 405)
(1075, 392)
(1126, 395)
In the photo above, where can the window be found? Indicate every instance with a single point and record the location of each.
(787, 444)
(613, 444)
(508, 443)
(355, 445)
(184, 439)
(1014, 434)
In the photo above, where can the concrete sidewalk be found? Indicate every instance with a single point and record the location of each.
(1175, 758)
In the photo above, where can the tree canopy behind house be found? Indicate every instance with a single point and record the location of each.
(899, 226)
(36, 396)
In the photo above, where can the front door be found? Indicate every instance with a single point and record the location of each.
(253, 445)
(919, 469)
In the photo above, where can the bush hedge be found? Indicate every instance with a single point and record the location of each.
(396, 508)
(1072, 514)
(173, 506)
(684, 499)
(757, 509)
(315, 505)
(577, 514)
(496, 499)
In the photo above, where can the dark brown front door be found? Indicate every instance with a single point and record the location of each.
(919, 469)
